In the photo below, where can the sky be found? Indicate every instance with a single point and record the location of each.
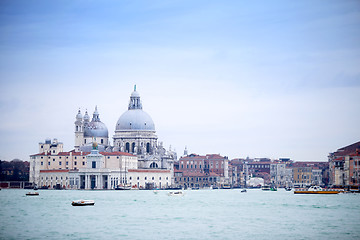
(275, 79)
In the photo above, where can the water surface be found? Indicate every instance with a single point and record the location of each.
(199, 214)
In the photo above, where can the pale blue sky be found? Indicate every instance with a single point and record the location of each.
(240, 78)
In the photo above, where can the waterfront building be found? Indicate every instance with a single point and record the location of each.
(344, 168)
(278, 174)
(136, 158)
(196, 171)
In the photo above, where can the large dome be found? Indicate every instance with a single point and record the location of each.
(95, 129)
(136, 120)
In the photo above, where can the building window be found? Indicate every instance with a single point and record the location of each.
(83, 163)
(67, 163)
(75, 157)
(148, 147)
(48, 163)
(75, 163)
(42, 163)
(133, 147)
(138, 178)
(59, 163)
(153, 165)
(93, 164)
(145, 178)
(41, 157)
(102, 141)
(85, 141)
(53, 159)
(159, 178)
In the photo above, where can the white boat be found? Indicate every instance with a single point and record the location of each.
(123, 187)
(266, 188)
(32, 194)
(316, 190)
(83, 202)
(176, 193)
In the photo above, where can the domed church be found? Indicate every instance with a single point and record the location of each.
(134, 133)
(87, 132)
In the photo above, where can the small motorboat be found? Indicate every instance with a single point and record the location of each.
(32, 194)
(316, 190)
(83, 203)
(244, 190)
(176, 193)
(123, 187)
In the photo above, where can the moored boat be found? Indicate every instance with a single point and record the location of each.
(123, 187)
(316, 190)
(83, 202)
(176, 193)
(266, 188)
(32, 194)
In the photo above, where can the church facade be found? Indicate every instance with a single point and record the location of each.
(136, 158)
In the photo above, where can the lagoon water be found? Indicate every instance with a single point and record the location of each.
(199, 214)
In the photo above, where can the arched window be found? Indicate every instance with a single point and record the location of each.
(153, 165)
(127, 147)
(133, 147)
(148, 147)
(77, 128)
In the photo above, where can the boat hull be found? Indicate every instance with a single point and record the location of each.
(83, 203)
(316, 192)
(32, 194)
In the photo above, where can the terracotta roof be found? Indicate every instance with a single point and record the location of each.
(73, 153)
(347, 150)
(55, 170)
(117, 154)
(264, 163)
(150, 170)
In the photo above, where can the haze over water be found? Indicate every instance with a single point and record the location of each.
(202, 214)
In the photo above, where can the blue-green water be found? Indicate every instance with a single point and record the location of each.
(201, 214)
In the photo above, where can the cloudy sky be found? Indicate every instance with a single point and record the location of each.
(240, 78)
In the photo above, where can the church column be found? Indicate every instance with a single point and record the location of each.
(86, 181)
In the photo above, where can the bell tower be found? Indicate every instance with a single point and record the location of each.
(79, 131)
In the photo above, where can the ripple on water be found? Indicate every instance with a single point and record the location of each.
(198, 215)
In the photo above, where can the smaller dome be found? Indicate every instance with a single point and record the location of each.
(79, 115)
(135, 94)
(96, 129)
(86, 117)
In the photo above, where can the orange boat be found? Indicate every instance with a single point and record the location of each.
(316, 190)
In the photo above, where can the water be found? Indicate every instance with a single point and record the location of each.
(199, 214)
